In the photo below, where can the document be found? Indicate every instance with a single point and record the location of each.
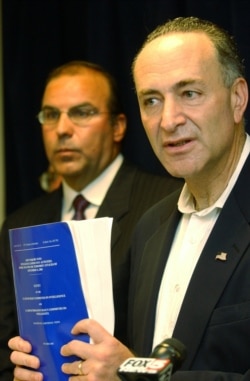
(62, 274)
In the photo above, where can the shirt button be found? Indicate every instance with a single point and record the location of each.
(177, 288)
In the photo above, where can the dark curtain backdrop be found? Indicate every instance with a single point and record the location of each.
(39, 35)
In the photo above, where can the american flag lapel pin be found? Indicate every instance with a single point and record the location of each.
(221, 256)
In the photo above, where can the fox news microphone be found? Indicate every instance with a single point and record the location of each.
(165, 359)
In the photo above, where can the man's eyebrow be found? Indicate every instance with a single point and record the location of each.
(187, 82)
(83, 104)
(176, 86)
(148, 92)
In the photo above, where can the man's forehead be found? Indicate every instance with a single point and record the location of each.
(163, 47)
(174, 54)
(90, 77)
(81, 85)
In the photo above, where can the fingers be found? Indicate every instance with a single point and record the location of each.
(75, 368)
(22, 374)
(91, 327)
(80, 348)
(19, 344)
(75, 347)
(23, 359)
(101, 358)
(84, 350)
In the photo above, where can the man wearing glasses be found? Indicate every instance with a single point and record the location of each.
(83, 126)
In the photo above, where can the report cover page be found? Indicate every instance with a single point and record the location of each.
(62, 274)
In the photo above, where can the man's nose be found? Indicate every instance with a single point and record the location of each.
(172, 114)
(64, 124)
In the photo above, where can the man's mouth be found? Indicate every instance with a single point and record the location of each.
(179, 143)
(64, 150)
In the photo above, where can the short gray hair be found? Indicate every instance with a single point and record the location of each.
(232, 66)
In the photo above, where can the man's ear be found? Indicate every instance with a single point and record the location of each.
(119, 127)
(239, 98)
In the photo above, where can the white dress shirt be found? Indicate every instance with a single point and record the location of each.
(94, 192)
(191, 235)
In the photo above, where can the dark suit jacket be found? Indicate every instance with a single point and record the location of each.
(214, 321)
(130, 195)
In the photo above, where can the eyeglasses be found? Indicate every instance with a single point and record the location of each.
(79, 115)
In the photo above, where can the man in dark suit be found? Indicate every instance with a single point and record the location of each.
(197, 280)
(190, 254)
(83, 125)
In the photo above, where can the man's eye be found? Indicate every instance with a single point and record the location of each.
(149, 102)
(51, 114)
(190, 94)
(81, 113)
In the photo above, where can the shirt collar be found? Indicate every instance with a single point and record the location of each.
(97, 189)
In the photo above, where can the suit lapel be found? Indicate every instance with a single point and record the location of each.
(51, 211)
(149, 279)
(116, 201)
(230, 235)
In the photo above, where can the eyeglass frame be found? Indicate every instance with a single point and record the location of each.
(90, 113)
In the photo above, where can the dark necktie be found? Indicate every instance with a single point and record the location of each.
(79, 204)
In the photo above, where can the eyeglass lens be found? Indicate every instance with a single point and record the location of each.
(77, 114)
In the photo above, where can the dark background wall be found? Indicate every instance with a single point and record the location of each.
(39, 35)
